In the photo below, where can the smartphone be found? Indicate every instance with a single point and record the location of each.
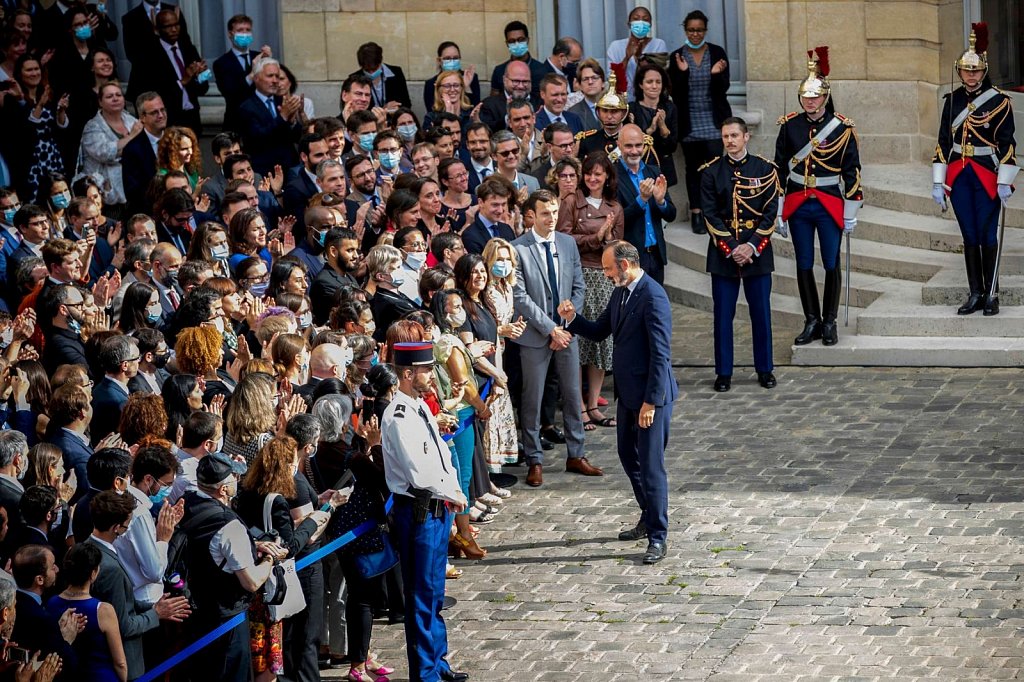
(17, 655)
(86, 230)
(366, 410)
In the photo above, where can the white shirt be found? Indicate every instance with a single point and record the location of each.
(144, 558)
(543, 251)
(231, 547)
(186, 103)
(151, 380)
(153, 140)
(552, 116)
(187, 479)
(480, 169)
(412, 458)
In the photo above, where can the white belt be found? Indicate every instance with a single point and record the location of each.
(813, 181)
(972, 150)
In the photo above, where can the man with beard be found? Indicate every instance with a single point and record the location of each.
(342, 259)
(494, 109)
(319, 221)
(611, 110)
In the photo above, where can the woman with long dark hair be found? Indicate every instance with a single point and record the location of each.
(183, 395)
(140, 308)
(652, 109)
(45, 116)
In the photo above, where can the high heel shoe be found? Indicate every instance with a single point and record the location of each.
(377, 668)
(469, 547)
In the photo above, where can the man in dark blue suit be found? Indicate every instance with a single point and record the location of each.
(138, 28)
(34, 568)
(643, 195)
(303, 185)
(269, 123)
(119, 358)
(480, 163)
(70, 414)
(138, 158)
(82, 214)
(640, 320)
(492, 196)
(232, 69)
(554, 91)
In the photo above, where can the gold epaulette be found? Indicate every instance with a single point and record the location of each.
(768, 160)
(786, 117)
(847, 121)
(583, 134)
(708, 163)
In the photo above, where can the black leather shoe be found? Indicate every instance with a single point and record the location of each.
(655, 552)
(553, 434)
(545, 444)
(453, 676)
(723, 383)
(637, 532)
(991, 306)
(829, 333)
(697, 223)
(766, 379)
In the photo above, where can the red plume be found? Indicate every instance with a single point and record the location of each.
(823, 67)
(980, 37)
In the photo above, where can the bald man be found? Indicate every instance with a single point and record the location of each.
(318, 221)
(518, 84)
(326, 361)
(646, 205)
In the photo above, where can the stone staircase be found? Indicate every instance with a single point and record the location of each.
(907, 278)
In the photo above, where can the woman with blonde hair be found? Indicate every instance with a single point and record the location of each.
(500, 441)
(290, 356)
(449, 96)
(178, 150)
(250, 417)
(210, 244)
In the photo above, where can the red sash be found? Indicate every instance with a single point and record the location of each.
(986, 176)
(830, 202)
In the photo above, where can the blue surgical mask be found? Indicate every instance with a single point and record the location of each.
(407, 132)
(366, 141)
(416, 259)
(389, 160)
(306, 320)
(374, 75)
(9, 214)
(83, 32)
(375, 360)
(242, 40)
(397, 278)
(153, 316)
(204, 76)
(321, 236)
(74, 326)
(640, 29)
(160, 496)
(519, 49)
(101, 8)
(259, 290)
(695, 47)
(62, 200)
(451, 64)
(220, 252)
(501, 268)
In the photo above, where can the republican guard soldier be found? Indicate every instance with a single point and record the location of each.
(974, 164)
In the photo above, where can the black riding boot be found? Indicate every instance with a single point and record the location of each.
(812, 309)
(833, 286)
(989, 256)
(975, 280)
(697, 223)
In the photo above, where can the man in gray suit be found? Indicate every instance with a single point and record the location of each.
(111, 513)
(548, 272)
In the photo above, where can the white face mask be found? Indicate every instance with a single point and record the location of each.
(456, 320)
(7, 337)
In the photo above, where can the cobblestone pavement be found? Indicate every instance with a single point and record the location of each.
(851, 524)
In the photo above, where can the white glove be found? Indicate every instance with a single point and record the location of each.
(849, 224)
(938, 194)
(1004, 192)
(781, 227)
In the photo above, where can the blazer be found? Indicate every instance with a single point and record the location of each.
(642, 331)
(428, 92)
(134, 618)
(582, 222)
(476, 236)
(582, 109)
(99, 155)
(139, 33)
(542, 120)
(532, 295)
(108, 399)
(138, 166)
(494, 112)
(232, 82)
(36, 629)
(76, 456)
(323, 291)
(269, 141)
(720, 109)
(297, 193)
(395, 88)
(159, 75)
(63, 348)
(389, 307)
(633, 212)
(139, 385)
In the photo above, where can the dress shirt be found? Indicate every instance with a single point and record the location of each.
(650, 239)
(480, 169)
(543, 252)
(552, 116)
(153, 140)
(151, 380)
(170, 50)
(416, 457)
(13, 236)
(489, 225)
(144, 558)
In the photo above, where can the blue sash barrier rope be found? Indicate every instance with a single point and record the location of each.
(302, 563)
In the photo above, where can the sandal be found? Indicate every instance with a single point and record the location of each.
(605, 421)
(503, 493)
(479, 517)
(587, 424)
(452, 573)
(491, 499)
(378, 668)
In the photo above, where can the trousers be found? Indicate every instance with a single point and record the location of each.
(725, 292)
(642, 454)
(976, 212)
(809, 219)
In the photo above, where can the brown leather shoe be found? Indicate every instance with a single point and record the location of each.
(580, 465)
(535, 477)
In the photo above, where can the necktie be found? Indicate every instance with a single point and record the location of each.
(172, 296)
(177, 60)
(625, 297)
(271, 108)
(552, 279)
(558, 119)
(485, 172)
(433, 436)
(245, 60)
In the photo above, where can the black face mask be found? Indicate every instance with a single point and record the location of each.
(160, 361)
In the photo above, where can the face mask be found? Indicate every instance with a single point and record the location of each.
(101, 8)
(220, 252)
(170, 279)
(22, 472)
(74, 326)
(321, 237)
(375, 360)
(451, 64)
(259, 290)
(389, 160)
(347, 437)
(397, 278)
(9, 215)
(204, 76)
(366, 141)
(242, 40)
(519, 49)
(407, 132)
(62, 200)
(153, 314)
(435, 333)
(160, 361)
(368, 329)
(306, 320)
(7, 337)
(83, 32)
(374, 75)
(695, 47)
(458, 319)
(416, 259)
(232, 489)
(501, 268)
(348, 356)
(640, 29)
(161, 495)
(218, 446)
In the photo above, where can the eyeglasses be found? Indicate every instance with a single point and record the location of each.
(89, 384)
(135, 359)
(590, 79)
(566, 146)
(459, 176)
(451, 86)
(696, 30)
(388, 150)
(516, 81)
(508, 152)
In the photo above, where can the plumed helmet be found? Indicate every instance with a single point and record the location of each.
(975, 58)
(612, 99)
(816, 84)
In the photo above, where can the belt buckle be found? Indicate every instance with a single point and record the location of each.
(749, 224)
(968, 149)
(810, 181)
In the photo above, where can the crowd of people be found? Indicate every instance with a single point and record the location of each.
(198, 363)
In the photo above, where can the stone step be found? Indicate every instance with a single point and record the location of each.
(949, 288)
(908, 187)
(690, 250)
(891, 317)
(913, 351)
(885, 260)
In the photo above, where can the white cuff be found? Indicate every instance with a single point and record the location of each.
(850, 208)
(1007, 173)
(938, 173)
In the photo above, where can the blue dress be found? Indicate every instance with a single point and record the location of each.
(94, 661)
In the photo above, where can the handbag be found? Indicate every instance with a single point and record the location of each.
(375, 563)
(282, 593)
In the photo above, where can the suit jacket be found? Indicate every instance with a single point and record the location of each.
(395, 88)
(323, 291)
(493, 112)
(36, 629)
(232, 83)
(532, 295)
(642, 331)
(269, 141)
(475, 178)
(10, 499)
(108, 399)
(63, 348)
(389, 307)
(76, 456)
(160, 76)
(139, 33)
(582, 109)
(542, 120)
(138, 166)
(133, 617)
(297, 194)
(633, 211)
(137, 384)
(476, 236)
